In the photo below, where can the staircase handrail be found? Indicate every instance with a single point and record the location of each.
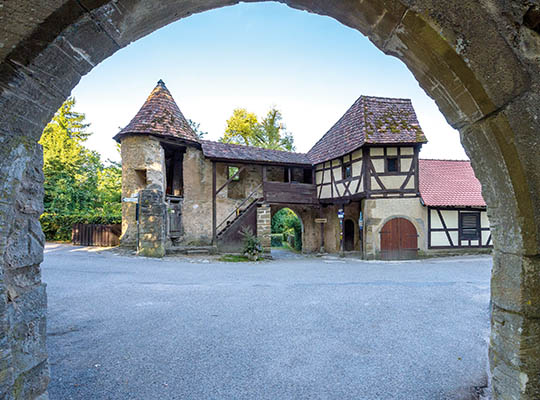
(240, 206)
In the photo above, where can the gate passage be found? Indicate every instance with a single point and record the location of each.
(399, 240)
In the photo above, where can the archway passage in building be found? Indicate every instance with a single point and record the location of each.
(348, 235)
(485, 78)
(399, 240)
(286, 233)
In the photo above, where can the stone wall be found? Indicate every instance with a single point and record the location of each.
(141, 155)
(377, 212)
(152, 223)
(24, 371)
(264, 218)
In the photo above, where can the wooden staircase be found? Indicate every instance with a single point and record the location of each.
(239, 221)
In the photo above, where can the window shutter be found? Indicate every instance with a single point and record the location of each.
(470, 226)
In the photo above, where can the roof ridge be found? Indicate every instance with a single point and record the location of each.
(443, 159)
(252, 147)
(406, 99)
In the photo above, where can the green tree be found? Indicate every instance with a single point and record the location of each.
(241, 128)
(244, 128)
(271, 133)
(197, 129)
(78, 186)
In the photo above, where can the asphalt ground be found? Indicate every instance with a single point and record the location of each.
(123, 327)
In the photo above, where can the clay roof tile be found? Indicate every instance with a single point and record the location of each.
(160, 116)
(445, 183)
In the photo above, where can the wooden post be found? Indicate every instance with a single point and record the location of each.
(264, 180)
(214, 211)
(289, 174)
(321, 250)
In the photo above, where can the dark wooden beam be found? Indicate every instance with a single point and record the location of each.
(231, 178)
(214, 210)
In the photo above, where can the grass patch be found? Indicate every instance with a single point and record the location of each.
(233, 258)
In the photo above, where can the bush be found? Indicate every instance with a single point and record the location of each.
(276, 240)
(252, 245)
(58, 227)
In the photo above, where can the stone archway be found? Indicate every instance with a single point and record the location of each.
(484, 76)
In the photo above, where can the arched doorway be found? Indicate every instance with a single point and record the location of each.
(484, 77)
(287, 231)
(399, 240)
(348, 236)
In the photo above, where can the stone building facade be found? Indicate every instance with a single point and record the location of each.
(361, 189)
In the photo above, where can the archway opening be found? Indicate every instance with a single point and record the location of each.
(483, 75)
(286, 230)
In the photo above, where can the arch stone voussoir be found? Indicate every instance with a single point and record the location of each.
(479, 60)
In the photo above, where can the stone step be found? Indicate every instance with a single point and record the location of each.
(192, 250)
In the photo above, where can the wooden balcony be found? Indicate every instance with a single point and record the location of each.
(290, 193)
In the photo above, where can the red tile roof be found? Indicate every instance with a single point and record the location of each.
(236, 152)
(370, 120)
(160, 116)
(449, 183)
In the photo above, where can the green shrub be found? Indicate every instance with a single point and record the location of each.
(276, 240)
(252, 245)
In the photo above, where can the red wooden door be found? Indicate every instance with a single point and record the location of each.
(399, 240)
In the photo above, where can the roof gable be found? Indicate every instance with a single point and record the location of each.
(160, 116)
(446, 183)
(370, 120)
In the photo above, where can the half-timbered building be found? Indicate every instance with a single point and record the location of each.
(361, 189)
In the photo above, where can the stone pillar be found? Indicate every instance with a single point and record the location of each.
(24, 371)
(152, 223)
(514, 351)
(264, 226)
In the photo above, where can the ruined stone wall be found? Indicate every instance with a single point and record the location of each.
(377, 212)
(139, 153)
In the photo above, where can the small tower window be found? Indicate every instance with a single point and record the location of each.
(392, 164)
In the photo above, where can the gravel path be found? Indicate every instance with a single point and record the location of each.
(122, 327)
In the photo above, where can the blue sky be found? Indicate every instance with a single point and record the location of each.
(255, 56)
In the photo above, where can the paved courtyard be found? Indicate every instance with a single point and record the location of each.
(122, 327)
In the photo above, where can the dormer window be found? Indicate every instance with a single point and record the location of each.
(392, 164)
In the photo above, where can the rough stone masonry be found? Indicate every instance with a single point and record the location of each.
(479, 60)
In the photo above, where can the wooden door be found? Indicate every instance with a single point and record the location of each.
(399, 240)
(348, 239)
(175, 219)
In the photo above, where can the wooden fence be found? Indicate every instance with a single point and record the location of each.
(96, 235)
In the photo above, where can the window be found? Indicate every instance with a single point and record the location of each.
(392, 164)
(347, 167)
(231, 171)
(140, 177)
(347, 171)
(469, 226)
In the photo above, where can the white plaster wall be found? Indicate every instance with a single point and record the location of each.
(378, 164)
(407, 151)
(406, 164)
(392, 182)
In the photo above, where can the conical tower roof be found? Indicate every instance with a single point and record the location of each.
(160, 116)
